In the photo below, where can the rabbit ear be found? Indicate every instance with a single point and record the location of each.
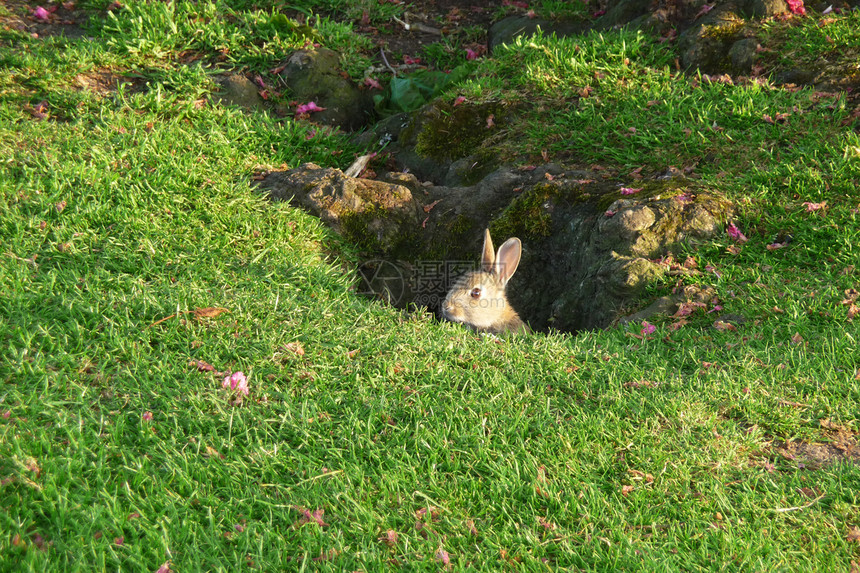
(507, 259)
(488, 258)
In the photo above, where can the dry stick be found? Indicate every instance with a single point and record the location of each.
(385, 61)
(209, 312)
(31, 260)
(417, 26)
(786, 509)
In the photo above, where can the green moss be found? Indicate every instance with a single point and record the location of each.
(484, 164)
(361, 228)
(450, 133)
(355, 229)
(454, 244)
(667, 188)
(526, 216)
(724, 31)
(458, 228)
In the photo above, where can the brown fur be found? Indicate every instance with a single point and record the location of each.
(490, 311)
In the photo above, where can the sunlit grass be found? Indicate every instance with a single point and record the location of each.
(372, 439)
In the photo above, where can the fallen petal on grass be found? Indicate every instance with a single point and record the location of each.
(796, 7)
(390, 538)
(41, 14)
(736, 233)
(309, 107)
(812, 207)
(372, 83)
(236, 382)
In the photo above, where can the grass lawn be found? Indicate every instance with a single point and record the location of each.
(139, 268)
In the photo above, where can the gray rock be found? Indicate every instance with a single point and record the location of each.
(374, 214)
(797, 76)
(765, 8)
(314, 75)
(238, 90)
(622, 12)
(583, 265)
(705, 45)
(628, 222)
(742, 55)
(507, 29)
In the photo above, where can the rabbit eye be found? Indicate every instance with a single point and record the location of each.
(476, 292)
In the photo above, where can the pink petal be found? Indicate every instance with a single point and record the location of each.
(308, 108)
(736, 233)
(372, 83)
(442, 556)
(647, 328)
(471, 54)
(796, 7)
(630, 190)
(811, 207)
(704, 10)
(458, 100)
(147, 416)
(165, 568)
(41, 14)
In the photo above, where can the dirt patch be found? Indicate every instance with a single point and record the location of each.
(54, 19)
(104, 82)
(429, 22)
(840, 447)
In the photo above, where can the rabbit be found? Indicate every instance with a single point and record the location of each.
(477, 299)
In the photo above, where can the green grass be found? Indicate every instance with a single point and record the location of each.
(818, 41)
(601, 451)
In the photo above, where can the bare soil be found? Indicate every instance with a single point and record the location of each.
(840, 446)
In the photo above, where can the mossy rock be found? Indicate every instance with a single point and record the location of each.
(707, 46)
(447, 132)
(315, 75)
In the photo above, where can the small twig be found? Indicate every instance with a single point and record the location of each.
(359, 165)
(210, 312)
(786, 509)
(385, 61)
(418, 27)
(405, 25)
(157, 322)
(31, 260)
(427, 29)
(320, 476)
(793, 404)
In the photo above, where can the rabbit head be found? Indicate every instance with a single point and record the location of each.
(478, 299)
